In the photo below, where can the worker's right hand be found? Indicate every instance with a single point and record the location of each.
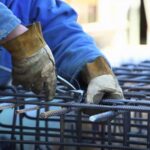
(36, 72)
(33, 62)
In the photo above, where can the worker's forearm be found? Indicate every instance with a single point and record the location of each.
(8, 22)
(20, 29)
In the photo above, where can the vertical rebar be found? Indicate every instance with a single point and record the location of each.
(126, 127)
(79, 127)
(62, 130)
(109, 133)
(148, 131)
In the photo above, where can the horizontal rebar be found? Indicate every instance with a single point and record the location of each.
(2, 107)
(51, 113)
(27, 110)
(129, 130)
(7, 106)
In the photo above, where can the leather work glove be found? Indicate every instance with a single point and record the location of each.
(102, 83)
(33, 62)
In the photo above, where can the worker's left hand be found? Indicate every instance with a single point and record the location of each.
(104, 86)
(102, 83)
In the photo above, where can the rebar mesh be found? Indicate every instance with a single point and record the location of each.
(29, 121)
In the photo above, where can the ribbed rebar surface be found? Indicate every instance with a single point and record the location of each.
(31, 121)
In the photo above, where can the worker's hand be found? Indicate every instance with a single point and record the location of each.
(104, 86)
(36, 72)
(102, 83)
(33, 62)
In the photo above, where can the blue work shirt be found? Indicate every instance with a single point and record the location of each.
(70, 45)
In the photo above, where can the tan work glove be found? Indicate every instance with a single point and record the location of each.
(102, 83)
(33, 62)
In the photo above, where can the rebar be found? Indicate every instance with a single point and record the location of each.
(27, 110)
(51, 113)
(119, 124)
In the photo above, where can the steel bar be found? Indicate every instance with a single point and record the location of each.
(102, 117)
(51, 113)
(27, 110)
(69, 126)
(2, 107)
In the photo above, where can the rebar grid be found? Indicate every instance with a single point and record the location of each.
(31, 121)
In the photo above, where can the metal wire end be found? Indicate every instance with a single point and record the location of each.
(27, 110)
(51, 113)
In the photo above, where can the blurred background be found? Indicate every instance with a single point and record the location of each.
(119, 27)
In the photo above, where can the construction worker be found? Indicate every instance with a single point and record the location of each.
(75, 53)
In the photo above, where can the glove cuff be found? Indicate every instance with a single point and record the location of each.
(26, 44)
(96, 68)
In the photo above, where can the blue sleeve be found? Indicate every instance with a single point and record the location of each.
(71, 46)
(8, 21)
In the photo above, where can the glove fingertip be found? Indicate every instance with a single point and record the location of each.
(50, 96)
(89, 99)
(15, 82)
(98, 97)
(52, 90)
(36, 90)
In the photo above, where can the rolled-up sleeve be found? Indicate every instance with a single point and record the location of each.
(8, 21)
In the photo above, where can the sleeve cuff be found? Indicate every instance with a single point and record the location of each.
(8, 21)
(9, 27)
